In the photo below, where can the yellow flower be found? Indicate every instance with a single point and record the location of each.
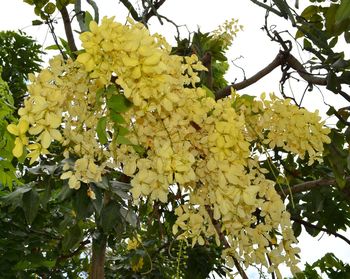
(21, 140)
(35, 151)
(133, 243)
(138, 265)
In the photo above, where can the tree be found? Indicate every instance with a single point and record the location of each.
(139, 160)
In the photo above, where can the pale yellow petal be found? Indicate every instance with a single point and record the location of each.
(12, 128)
(18, 149)
(45, 139)
(66, 175)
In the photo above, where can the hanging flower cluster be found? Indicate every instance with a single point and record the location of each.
(127, 104)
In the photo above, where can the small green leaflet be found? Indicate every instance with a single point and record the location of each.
(343, 12)
(118, 103)
(117, 118)
(101, 130)
(122, 140)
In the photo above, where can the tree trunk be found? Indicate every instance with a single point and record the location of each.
(98, 256)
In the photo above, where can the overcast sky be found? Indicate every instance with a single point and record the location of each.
(252, 45)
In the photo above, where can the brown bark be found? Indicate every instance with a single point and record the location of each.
(97, 270)
(282, 58)
(68, 29)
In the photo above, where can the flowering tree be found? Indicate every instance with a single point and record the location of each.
(148, 160)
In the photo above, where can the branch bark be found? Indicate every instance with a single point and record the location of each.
(68, 29)
(309, 185)
(131, 9)
(279, 60)
(283, 58)
(98, 256)
(153, 11)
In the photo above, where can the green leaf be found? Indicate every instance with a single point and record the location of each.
(99, 93)
(296, 228)
(72, 237)
(122, 140)
(37, 22)
(101, 130)
(139, 150)
(110, 216)
(333, 83)
(30, 205)
(121, 189)
(209, 93)
(103, 184)
(117, 118)
(87, 19)
(309, 11)
(82, 203)
(52, 47)
(343, 12)
(50, 8)
(129, 216)
(65, 193)
(121, 131)
(15, 196)
(307, 44)
(347, 36)
(333, 42)
(119, 103)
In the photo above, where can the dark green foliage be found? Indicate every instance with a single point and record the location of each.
(19, 56)
(329, 265)
(203, 44)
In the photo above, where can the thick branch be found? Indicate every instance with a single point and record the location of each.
(296, 65)
(309, 185)
(307, 224)
(279, 60)
(283, 58)
(224, 241)
(68, 29)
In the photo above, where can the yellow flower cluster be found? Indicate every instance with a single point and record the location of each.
(278, 123)
(134, 243)
(228, 31)
(172, 137)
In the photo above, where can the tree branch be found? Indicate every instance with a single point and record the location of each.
(153, 10)
(296, 65)
(68, 29)
(283, 58)
(279, 60)
(224, 241)
(307, 224)
(309, 185)
(131, 9)
(267, 7)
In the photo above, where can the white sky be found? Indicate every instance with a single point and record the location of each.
(252, 45)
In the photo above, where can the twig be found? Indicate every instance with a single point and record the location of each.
(308, 224)
(267, 7)
(153, 11)
(131, 9)
(95, 8)
(52, 31)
